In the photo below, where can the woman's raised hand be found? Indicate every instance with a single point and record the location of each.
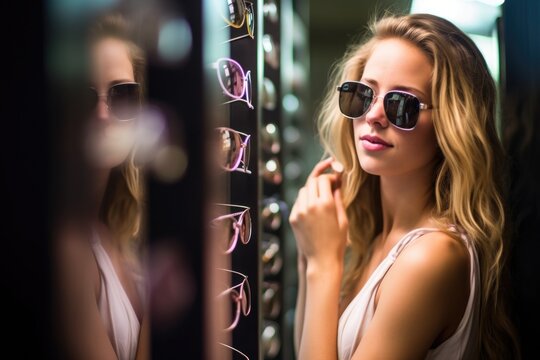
(318, 217)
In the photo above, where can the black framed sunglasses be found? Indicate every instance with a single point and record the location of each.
(401, 108)
(123, 100)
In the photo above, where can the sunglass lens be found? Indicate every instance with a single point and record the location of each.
(230, 147)
(248, 87)
(402, 109)
(250, 20)
(124, 101)
(246, 155)
(246, 298)
(235, 12)
(354, 99)
(245, 231)
(231, 77)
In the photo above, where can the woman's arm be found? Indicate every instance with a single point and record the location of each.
(83, 334)
(300, 302)
(319, 339)
(320, 226)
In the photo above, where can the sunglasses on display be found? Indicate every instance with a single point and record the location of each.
(240, 295)
(271, 171)
(244, 356)
(270, 48)
(269, 98)
(401, 108)
(238, 223)
(271, 302)
(270, 11)
(271, 257)
(233, 151)
(270, 139)
(273, 213)
(123, 100)
(234, 82)
(271, 342)
(238, 13)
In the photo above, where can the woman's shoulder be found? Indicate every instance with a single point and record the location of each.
(427, 285)
(434, 268)
(440, 255)
(74, 258)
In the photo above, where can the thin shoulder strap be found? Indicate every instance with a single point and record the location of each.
(408, 238)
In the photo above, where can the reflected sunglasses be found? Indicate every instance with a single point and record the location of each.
(238, 223)
(234, 82)
(123, 100)
(241, 296)
(401, 108)
(233, 150)
(237, 13)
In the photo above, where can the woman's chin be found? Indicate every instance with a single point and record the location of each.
(373, 167)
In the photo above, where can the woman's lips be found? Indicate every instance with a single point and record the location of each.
(373, 143)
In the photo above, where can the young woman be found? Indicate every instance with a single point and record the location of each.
(101, 277)
(418, 204)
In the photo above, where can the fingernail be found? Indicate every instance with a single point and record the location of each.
(337, 166)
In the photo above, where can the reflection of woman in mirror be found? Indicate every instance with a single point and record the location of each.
(418, 205)
(102, 277)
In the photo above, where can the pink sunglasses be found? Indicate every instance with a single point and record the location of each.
(234, 82)
(238, 223)
(241, 297)
(233, 150)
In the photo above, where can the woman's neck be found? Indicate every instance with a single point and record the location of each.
(406, 200)
(101, 179)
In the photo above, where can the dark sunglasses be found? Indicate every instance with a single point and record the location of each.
(238, 13)
(401, 108)
(123, 100)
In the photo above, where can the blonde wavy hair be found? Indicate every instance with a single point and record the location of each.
(468, 181)
(121, 208)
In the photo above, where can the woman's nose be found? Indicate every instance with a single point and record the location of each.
(102, 109)
(376, 114)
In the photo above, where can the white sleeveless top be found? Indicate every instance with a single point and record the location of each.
(356, 318)
(115, 307)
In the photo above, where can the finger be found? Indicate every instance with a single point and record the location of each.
(299, 204)
(320, 167)
(324, 184)
(340, 208)
(337, 166)
(334, 178)
(312, 190)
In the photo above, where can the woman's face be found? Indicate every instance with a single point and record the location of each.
(396, 65)
(109, 141)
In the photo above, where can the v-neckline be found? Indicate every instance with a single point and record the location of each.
(116, 278)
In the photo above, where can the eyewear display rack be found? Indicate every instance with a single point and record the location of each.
(227, 99)
(296, 125)
(274, 212)
(194, 300)
(244, 188)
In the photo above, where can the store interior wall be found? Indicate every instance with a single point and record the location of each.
(521, 113)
